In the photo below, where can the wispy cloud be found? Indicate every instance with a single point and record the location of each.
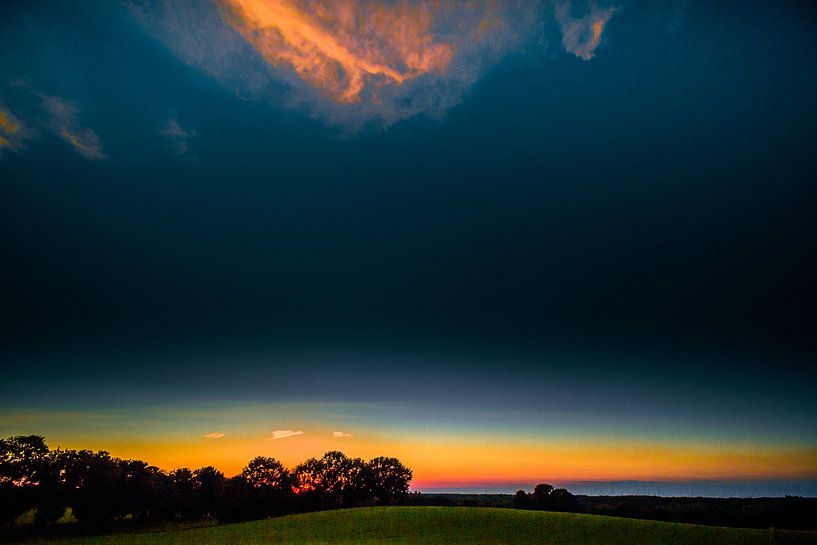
(340, 434)
(64, 122)
(9, 124)
(283, 434)
(582, 35)
(214, 435)
(13, 133)
(179, 140)
(37, 112)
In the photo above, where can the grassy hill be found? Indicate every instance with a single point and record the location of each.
(447, 526)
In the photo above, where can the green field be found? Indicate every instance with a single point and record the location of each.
(446, 526)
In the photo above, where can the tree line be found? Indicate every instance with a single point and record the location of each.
(100, 489)
(546, 497)
(787, 512)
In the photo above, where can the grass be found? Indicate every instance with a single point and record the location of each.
(445, 526)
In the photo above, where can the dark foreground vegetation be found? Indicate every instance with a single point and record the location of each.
(447, 526)
(79, 491)
(99, 490)
(788, 512)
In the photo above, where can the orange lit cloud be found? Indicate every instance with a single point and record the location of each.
(340, 435)
(85, 142)
(357, 62)
(284, 434)
(347, 61)
(8, 123)
(581, 35)
(12, 132)
(214, 435)
(342, 47)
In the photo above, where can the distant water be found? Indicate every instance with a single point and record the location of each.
(712, 489)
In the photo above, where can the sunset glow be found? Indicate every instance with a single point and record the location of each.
(437, 458)
(442, 464)
(341, 48)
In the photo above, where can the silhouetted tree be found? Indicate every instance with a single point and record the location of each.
(52, 496)
(101, 489)
(267, 473)
(390, 479)
(237, 501)
(334, 480)
(28, 480)
(562, 500)
(335, 476)
(182, 494)
(521, 500)
(14, 501)
(271, 486)
(547, 498)
(309, 487)
(93, 481)
(358, 483)
(143, 491)
(22, 459)
(208, 485)
(541, 494)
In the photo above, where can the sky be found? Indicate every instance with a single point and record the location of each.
(507, 242)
